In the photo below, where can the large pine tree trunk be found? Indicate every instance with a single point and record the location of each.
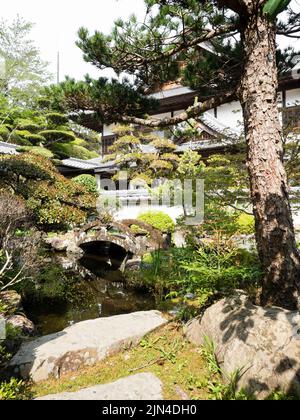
(269, 189)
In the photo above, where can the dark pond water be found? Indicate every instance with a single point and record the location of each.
(89, 289)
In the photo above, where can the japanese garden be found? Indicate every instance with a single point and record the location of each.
(150, 210)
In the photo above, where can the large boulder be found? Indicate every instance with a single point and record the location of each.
(22, 323)
(263, 342)
(82, 344)
(11, 300)
(141, 387)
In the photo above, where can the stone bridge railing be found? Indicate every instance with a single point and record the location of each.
(121, 235)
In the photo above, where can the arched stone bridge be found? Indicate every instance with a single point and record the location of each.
(118, 239)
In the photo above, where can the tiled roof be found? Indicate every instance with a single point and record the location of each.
(217, 126)
(200, 145)
(79, 164)
(207, 119)
(8, 149)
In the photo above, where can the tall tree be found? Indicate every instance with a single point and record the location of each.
(242, 34)
(22, 70)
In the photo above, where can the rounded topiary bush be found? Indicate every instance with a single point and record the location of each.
(25, 125)
(88, 182)
(66, 150)
(159, 220)
(57, 136)
(37, 150)
(55, 118)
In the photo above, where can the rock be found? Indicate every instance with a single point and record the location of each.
(11, 299)
(58, 244)
(24, 324)
(82, 344)
(64, 243)
(144, 386)
(133, 265)
(263, 342)
(179, 238)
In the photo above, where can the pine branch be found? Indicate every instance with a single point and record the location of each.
(192, 112)
(137, 60)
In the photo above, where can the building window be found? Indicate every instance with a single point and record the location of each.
(107, 141)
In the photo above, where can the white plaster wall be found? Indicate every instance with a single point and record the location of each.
(230, 114)
(293, 97)
(132, 212)
(107, 130)
(296, 215)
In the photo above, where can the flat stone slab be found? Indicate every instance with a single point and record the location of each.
(142, 387)
(82, 344)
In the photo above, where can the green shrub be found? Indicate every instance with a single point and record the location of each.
(22, 133)
(80, 142)
(34, 138)
(54, 201)
(13, 390)
(57, 136)
(88, 182)
(20, 141)
(4, 132)
(159, 220)
(54, 118)
(208, 272)
(246, 224)
(219, 219)
(28, 125)
(64, 151)
(37, 150)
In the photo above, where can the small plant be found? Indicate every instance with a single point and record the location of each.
(246, 224)
(88, 182)
(13, 390)
(209, 352)
(221, 385)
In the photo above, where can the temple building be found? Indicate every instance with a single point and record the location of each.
(218, 128)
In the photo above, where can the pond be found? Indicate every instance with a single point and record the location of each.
(75, 291)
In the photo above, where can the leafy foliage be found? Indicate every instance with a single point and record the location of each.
(13, 390)
(88, 182)
(35, 127)
(202, 274)
(108, 100)
(54, 200)
(24, 71)
(159, 220)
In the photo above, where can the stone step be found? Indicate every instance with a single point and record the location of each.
(141, 387)
(82, 344)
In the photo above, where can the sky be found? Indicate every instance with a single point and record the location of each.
(57, 22)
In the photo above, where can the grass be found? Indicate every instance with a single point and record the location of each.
(186, 372)
(165, 353)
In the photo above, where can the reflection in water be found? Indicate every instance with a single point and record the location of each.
(95, 290)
